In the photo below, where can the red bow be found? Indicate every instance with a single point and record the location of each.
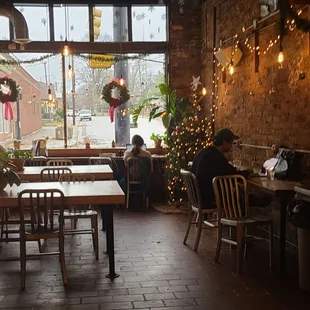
(111, 113)
(8, 112)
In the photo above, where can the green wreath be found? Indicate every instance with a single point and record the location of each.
(123, 93)
(290, 13)
(13, 91)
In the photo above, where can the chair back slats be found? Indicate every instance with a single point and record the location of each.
(133, 170)
(60, 162)
(43, 205)
(101, 161)
(53, 174)
(192, 188)
(79, 177)
(36, 161)
(231, 195)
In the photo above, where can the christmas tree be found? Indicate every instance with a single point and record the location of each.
(190, 135)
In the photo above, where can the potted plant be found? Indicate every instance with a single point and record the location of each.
(7, 175)
(157, 140)
(16, 144)
(18, 158)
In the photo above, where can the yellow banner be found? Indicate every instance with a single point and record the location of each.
(101, 61)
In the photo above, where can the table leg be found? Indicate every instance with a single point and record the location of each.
(110, 243)
(283, 236)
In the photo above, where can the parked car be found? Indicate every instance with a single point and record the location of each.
(85, 114)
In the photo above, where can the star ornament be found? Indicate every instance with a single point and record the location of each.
(195, 83)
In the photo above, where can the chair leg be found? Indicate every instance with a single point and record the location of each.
(62, 259)
(190, 219)
(270, 244)
(240, 242)
(127, 198)
(219, 242)
(94, 224)
(245, 243)
(22, 263)
(198, 231)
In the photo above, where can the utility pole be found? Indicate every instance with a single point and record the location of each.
(73, 91)
(64, 98)
(122, 123)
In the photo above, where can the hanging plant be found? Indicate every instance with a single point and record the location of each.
(8, 94)
(122, 98)
(289, 13)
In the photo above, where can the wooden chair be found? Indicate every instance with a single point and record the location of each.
(82, 212)
(60, 162)
(43, 225)
(53, 174)
(196, 211)
(36, 161)
(232, 202)
(105, 161)
(138, 171)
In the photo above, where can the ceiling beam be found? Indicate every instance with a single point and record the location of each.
(86, 47)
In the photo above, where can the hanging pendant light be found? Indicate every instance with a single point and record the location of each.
(70, 72)
(65, 50)
(122, 81)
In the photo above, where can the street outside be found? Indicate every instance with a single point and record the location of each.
(99, 131)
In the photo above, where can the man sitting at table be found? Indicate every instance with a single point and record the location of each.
(211, 162)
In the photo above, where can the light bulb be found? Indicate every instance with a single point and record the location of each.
(121, 81)
(70, 72)
(65, 50)
(231, 70)
(204, 91)
(280, 58)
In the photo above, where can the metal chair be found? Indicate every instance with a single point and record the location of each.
(232, 202)
(60, 162)
(53, 174)
(196, 211)
(43, 225)
(138, 180)
(36, 161)
(82, 212)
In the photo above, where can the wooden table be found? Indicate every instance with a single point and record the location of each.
(283, 190)
(100, 172)
(99, 192)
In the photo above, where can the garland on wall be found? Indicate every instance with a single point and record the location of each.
(289, 13)
(117, 58)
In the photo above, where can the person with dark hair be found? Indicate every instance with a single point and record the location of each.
(137, 151)
(211, 162)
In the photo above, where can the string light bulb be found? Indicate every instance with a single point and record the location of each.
(65, 50)
(204, 91)
(70, 72)
(231, 70)
(122, 81)
(50, 97)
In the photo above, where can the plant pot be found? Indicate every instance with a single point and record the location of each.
(158, 144)
(16, 145)
(3, 184)
(18, 163)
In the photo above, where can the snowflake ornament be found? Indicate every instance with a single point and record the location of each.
(195, 83)
(151, 8)
(115, 25)
(71, 27)
(152, 36)
(43, 21)
(117, 13)
(162, 2)
(163, 16)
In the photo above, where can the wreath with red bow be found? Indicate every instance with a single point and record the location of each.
(8, 94)
(122, 98)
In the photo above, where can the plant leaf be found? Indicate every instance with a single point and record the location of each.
(172, 101)
(152, 113)
(164, 89)
(166, 119)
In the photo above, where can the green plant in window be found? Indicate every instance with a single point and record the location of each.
(20, 154)
(165, 105)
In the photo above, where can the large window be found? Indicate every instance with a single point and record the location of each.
(42, 101)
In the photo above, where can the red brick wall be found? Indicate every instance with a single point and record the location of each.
(282, 117)
(185, 46)
(30, 105)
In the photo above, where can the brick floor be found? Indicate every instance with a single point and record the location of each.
(156, 272)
